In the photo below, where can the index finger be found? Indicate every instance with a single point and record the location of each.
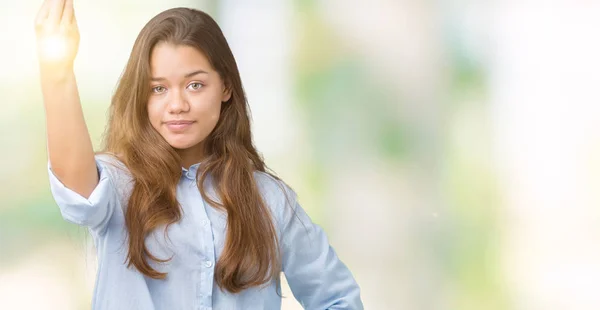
(67, 15)
(43, 12)
(56, 11)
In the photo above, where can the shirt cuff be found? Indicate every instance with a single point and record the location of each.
(79, 210)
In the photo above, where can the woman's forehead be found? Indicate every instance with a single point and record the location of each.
(178, 61)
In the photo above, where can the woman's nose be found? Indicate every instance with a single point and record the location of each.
(178, 103)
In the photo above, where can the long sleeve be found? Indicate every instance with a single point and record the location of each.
(93, 212)
(317, 277)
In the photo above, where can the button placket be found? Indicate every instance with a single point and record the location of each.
(207, 259)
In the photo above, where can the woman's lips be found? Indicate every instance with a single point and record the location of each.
(178, 126)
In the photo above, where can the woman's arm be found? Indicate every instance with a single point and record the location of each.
(80, 181)
(70, 148)
(317, 277)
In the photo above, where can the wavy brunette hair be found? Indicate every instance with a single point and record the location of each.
(251, 254)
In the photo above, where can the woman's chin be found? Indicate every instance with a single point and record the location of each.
(180, 145)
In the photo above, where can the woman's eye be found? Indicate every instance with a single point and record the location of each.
(158, 89)
(195, 86)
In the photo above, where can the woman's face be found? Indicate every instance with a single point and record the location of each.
(185, 98)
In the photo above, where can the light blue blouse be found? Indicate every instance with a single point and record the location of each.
(317, 277)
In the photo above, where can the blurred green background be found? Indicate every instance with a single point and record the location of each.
(448, 148)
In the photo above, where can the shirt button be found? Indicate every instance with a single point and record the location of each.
(208, 264)
(204, 222)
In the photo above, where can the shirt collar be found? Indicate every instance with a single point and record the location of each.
(191, 172)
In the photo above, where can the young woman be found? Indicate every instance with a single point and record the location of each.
(179, 203)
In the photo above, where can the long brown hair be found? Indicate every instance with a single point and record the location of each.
(251, 254)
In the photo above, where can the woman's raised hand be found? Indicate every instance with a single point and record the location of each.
(57, 36)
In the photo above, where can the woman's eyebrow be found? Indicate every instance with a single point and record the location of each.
(158, 79)
(195, 73)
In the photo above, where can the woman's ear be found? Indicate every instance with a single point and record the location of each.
(226, 93)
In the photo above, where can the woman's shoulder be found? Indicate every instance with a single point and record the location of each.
(271, 184)
(276, 193)
(113, 162)
(116, 170)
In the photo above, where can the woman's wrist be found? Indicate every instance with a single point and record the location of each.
(56, 74)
